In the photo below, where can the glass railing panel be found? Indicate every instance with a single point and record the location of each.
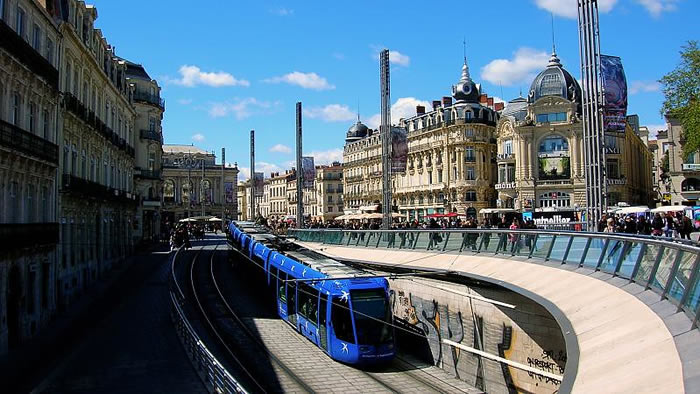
(334, 237)
(595, 249)
(576, 250)
(693, 300)
(559, 248)
(647, 263)
(422, 240)
(316, 236)
(468, 242)
(663, 273)
(387, 240)
(629, 259)
(681, 280)
(370, 240)
(542, 245)
(526, 244)
(612, 254)
(410, 238)
(493, 243)
(433, 240)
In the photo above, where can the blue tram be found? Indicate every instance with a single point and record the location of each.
(349, 319)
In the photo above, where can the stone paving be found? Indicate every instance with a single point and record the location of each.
(135, 348)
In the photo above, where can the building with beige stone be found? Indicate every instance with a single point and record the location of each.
(540, 151)
(29, 159)
(329, 192)
(193, 184)
(678, 178)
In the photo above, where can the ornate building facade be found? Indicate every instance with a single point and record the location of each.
(148, 133)
(29, 160)
(540, 151)
(96, 141)
(678, 177)
(329, 192)
(192, 184)
(451, 151)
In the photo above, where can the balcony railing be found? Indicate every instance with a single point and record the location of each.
(505, 157)
(14, 137)
(150, 99)
(152, 135)
(85, 188)
(26, 235)
(19, 48)
(147, 174)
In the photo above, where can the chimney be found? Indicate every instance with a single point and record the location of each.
(483, 99)
(436, 104)
(420, 110)
(446, 101)
(499, 106)
(490, 102)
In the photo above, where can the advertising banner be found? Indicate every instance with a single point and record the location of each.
(228, 192)
(615, 88)
(399, 149)
(308, 171)
(259, 180)
(552, 168)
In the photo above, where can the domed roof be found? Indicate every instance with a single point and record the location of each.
(516, 108)
(356, 132)
(466, 91)
(554, 81)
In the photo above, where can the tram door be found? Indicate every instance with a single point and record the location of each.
(282, 292)
(292, 303)
(322, 321)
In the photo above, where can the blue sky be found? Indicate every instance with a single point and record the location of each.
(229, 67)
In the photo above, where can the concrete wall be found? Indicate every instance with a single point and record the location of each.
(527, 334)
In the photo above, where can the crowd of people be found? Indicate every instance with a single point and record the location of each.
(671, 224)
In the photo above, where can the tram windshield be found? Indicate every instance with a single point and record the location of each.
(372, 316)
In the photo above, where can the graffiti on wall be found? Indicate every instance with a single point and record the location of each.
(462, 324)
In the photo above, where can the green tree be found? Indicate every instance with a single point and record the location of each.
(681, 89)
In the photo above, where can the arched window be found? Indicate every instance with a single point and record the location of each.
(186, 192)
(206, 191)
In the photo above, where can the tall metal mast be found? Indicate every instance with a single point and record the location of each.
(252, 174)
(593, 134)
(222, 194)
(300, 173)
(385, 134)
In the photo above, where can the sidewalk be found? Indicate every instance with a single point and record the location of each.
(43, 359)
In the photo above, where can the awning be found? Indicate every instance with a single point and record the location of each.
(370, 208)
(631, 210)
(671, 208)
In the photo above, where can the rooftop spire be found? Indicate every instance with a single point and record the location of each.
(465, 67)
(554, 45)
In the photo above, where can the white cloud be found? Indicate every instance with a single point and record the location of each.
(327, 156)
(569, 8)
(279, 148)
(644, 86)
(654, 129)
(242, 108)
(656, 7)
(404, 107)
(305, 80)
(396, 57)
(185, 101)
(526, 62)
(199, 137)
(193, 76)
(260, 166)
(282, 11)
(330, 113)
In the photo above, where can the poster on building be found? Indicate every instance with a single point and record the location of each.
(259, 180)
(228, 192)
(308, 171)
(399, 150)
(615, 88)
(553, 168)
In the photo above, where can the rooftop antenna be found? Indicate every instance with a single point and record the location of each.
(358, 110)
(501, 85)
(554, 46)
(464, 47)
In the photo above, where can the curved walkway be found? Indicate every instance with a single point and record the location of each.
(624, 345)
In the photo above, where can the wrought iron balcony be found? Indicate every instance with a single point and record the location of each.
(14, 137)
(85, 188)
(147, 174)
(153, 99)
(152, 135)
(27, 55)
(27, 235)
(505, 157)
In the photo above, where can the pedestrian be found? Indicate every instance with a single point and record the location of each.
(610, 227)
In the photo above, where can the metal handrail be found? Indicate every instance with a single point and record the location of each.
(667, 266)
(210, 370)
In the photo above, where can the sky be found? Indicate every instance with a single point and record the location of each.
(232, 66)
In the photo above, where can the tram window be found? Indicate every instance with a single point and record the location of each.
(341, 320)
(372, 316)
(292, 297)
(308, 302)
(322, 310)
(273, 275)
(282, 284)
